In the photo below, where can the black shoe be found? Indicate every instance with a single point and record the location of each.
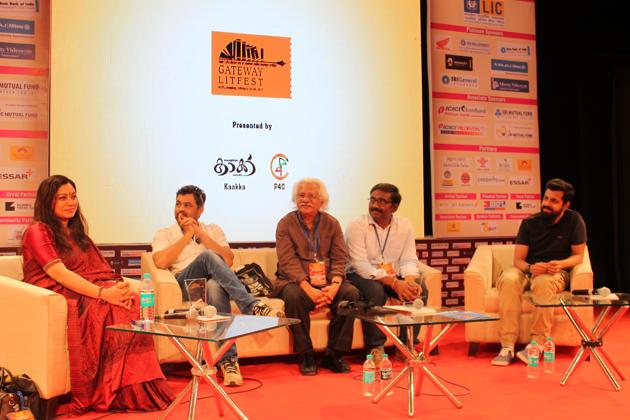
(334, 362)
(308, 367)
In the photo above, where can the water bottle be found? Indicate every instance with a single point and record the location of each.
(533, 357)
(147, 299)
(368, 377)
(386, 373)
(549, 356)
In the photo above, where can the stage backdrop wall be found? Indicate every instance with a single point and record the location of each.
(484, 116)
(24, 42)
(240, 98)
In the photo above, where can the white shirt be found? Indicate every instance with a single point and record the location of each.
(166, 237)
(365, 250)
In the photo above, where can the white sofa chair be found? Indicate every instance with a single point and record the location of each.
(482, 296)
(270, 343)
(33, 331)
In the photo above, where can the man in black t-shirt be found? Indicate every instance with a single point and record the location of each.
(548, 245)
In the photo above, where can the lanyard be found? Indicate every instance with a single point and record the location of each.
(310, 243)
(381, 248)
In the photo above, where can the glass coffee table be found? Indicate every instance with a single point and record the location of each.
(205, 332)
(417, 362)
(592, 338)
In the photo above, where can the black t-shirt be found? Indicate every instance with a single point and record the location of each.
(551, 242)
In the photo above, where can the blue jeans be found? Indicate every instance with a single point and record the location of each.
(376, 294)
(222, 285)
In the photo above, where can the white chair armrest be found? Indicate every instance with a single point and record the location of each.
(33, 331)
(478, 278)
(433, 280)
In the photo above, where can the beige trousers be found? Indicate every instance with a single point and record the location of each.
(511, 284)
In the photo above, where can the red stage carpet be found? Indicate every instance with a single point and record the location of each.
(487, 392)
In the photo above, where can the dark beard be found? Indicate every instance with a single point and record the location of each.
(548, 218)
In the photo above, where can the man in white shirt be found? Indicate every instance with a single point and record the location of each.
(191, 249)
(383, 260)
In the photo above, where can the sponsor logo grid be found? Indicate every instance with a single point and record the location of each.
(485, 133)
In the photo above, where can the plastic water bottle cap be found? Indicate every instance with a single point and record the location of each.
(548, 338)
(385, 356)
(146, 275)
(369, 356)
(534, 342)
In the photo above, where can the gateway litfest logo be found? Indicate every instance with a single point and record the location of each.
(251, 65)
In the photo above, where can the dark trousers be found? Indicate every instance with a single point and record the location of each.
(298, 305)
(376, 294)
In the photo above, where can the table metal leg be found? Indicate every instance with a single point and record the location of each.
(417, 365)
(200, 371)
(592, 343)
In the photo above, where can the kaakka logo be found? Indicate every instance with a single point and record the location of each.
(21, 152)
(443, 44)
(236, 167)
(279, 166)
(251, 65)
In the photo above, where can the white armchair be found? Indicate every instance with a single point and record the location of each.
(33, 328)
(482, 296)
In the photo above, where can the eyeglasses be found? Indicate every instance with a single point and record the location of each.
(379, 201)
(308, 196)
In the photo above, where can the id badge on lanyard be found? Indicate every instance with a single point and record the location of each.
(388, 267)
(317, 273)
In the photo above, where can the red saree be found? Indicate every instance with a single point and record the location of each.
(108, 370)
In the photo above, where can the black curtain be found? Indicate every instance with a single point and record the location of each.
(584, 117)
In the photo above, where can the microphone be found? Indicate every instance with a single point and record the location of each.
(416, 304)
(179, 314)
(192, 313)
(602, 291)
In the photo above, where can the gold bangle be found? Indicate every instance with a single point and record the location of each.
(100, 291)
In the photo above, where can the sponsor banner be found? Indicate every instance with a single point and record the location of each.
(251, 65)
(14, 51)
(462, 130)
(509, 85)
(455, 196)
(15, 220)
(481, 31)
(514, 132)
(18, 6)
(18, 194)
(483, 98)
(453, 216)
(458, 62)
(474, 46)
(17, 27)
(514, 50)
(493, 196)
(456, 162)
(486, 12)
(461, 110)
(485, 148)
(509, 66)
(483, 216)
(513, 114)
(16, 173)
(517, 216)
(24, 119)
(520, 196)
(458, 81)
(18, 206)
(23, 87)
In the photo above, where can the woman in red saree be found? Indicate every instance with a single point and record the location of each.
(108, 370)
